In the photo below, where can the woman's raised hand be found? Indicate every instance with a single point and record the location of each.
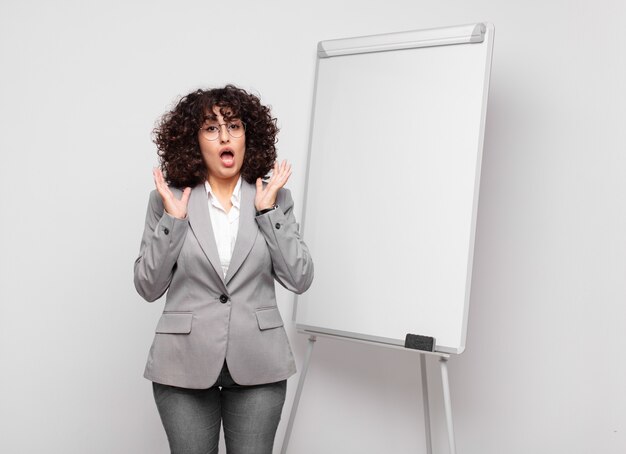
(174, 207)
(266, 196)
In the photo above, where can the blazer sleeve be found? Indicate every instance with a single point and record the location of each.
(162, 240)
(293, 266)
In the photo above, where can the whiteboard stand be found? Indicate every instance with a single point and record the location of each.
(443, 363)
(441, 78)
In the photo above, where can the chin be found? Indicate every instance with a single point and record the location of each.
(229, 173)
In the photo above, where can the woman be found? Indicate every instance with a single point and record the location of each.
(216, 236)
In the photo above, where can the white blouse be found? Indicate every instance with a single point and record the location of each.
(225, 225)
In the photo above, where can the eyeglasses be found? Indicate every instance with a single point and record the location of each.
(235, 129)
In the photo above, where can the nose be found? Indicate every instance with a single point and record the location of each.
(224, 136)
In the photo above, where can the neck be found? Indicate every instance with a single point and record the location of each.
(223, 187)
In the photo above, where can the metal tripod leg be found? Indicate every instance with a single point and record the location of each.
(443, 362)
(429, 443)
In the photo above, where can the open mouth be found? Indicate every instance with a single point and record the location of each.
(227, 157)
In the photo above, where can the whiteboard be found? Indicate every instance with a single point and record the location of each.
(392, 184)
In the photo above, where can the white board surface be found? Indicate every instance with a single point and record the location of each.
(392, 188)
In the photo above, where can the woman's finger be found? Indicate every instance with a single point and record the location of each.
(273, 177)
(184, 200)
(278, 170)
(158, 177)
(161, 186)
(156, 174)
(287, 175)
(285, 171)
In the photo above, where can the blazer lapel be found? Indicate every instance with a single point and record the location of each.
(200, 222)
(248, 230)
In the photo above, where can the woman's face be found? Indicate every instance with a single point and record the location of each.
(224, 154)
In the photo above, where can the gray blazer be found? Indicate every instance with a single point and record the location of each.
(208, 318)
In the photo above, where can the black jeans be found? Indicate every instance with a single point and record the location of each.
(250, 414)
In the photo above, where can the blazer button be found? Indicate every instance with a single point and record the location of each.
(166, 231)
(277, 225)
(223, 299)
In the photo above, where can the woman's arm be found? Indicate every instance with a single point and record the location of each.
(161, 243)
(293, 266)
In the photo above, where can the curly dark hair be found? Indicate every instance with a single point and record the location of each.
(176, 135)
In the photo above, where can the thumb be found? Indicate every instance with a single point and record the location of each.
(185, 198)
(259, 185)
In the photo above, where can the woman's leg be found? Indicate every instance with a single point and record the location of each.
(250, 416)
(191, 418)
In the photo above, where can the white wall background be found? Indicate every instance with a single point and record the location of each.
(82, 83)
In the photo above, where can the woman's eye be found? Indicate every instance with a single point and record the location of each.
(211, 128)
(234, 126)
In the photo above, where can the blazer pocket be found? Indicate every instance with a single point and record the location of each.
(268, 318)
(175, 323)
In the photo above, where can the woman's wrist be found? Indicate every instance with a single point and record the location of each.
(266, 210)
(177, 215)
